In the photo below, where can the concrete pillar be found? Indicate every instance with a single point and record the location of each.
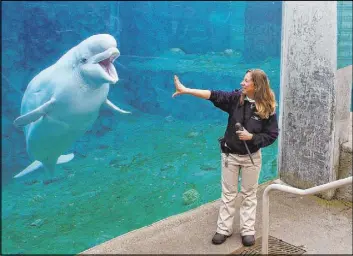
(309, 135)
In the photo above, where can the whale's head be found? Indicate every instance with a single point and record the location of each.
(93, 59)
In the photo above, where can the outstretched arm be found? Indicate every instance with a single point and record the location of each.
(181, 89)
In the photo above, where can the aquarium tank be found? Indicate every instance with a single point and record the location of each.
(130, 170)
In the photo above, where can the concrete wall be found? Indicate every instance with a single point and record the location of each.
(343, 132)
(313, 114)
(345, 166)
(343, 90)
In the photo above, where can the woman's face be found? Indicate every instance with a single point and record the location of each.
(248, 85)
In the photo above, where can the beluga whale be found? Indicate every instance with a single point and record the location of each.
(63, 101)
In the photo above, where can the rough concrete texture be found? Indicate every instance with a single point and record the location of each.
(309, 94)
(316, 225)
(343, 131)
(345, 168)
(343, 117)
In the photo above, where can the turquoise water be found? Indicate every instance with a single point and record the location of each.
(344, 34)
(129, 171)
(116, 189)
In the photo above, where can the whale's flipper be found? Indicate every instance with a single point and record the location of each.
(34, 114)
(110, 104)
(37, 164)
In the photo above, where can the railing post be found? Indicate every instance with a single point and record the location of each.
(265, 221)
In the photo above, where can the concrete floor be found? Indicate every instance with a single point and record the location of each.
(316, 225)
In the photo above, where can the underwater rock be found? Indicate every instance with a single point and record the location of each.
(37, 198)
(169, 119)
(177, 51)
(124, 162)
(173, 52)
(30, 182)
(167, 167)
(228, 52)
(114, 162)
(55, 179)
(236, 55)
(190, 196)
(37, 223)
(192, 135)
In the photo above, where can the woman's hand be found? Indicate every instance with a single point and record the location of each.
(244, 135)
(179, 87)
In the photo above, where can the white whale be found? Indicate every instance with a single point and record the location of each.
(62, 102)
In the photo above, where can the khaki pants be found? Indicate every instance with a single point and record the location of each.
(231, 165)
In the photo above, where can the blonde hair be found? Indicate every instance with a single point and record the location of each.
(264, 97)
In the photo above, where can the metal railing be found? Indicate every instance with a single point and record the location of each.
(309, 191)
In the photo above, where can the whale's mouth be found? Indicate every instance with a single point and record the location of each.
(107, 65)
(105, 60)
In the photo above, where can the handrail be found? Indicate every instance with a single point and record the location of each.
(309, 191)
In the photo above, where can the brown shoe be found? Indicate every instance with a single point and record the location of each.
(248, 240)
(219, 238)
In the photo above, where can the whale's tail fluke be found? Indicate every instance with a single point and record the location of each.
(37, 164)
(65, 158)
(33, 166)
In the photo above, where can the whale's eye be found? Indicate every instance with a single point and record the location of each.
(83, 60)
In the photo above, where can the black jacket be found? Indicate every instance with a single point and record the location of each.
(265, 131)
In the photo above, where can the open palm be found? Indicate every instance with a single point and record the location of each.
(179, 87)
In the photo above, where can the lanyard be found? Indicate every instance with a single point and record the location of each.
(243, 117)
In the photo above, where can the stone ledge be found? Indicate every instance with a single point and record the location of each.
(315, 224)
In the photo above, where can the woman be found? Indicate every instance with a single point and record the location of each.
(254, 108)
